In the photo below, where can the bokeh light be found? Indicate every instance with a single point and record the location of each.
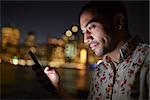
(74, 28)
(68, 33)
(83, 56)
(15, 60)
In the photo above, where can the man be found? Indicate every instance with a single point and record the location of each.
(123, 72)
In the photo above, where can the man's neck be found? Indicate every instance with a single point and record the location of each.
(115, 54)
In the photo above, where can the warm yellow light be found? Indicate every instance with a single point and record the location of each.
(68, 33)
(74, 29)
(15, 60)
(91, 59)
(83, 56)
(72, 37)
(56, 63)
(33, 49)
(22, 62)
(60, 42)
(29, 62)
(65, 38)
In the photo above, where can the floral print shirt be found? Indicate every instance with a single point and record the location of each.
(126, 80)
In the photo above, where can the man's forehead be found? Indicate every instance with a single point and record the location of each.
(85, 18)
(92, 20)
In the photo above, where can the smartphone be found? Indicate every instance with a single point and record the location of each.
(34, 59)
(43, 79)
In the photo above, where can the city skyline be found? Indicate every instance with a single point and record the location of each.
(46, 19)
(53, 18)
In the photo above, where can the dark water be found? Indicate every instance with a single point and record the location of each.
(20, 83)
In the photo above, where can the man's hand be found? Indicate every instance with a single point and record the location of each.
(43, 79)
(55, 80)
(53, 76)
(50, 79)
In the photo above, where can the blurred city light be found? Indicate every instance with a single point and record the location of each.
(29, 62)
(56, 53)
(33, 49)
(91, 59)
(65, 38)
(0, 60)
(81, 83)
(72, 37)
(70, 50)
(57, 63)
(30, 40)
(83, 56)
(74, 28)
(60, 42)
(10, 35)
(68, 33)
(80, 66)
(44, 62)
(15, 60)
(22, 62)
(54, 41)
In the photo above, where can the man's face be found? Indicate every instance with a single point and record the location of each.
(95, 34)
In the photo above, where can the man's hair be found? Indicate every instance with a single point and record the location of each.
(106, 9)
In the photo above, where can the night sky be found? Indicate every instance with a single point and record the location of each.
(52, 19)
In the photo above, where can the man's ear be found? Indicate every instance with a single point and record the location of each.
(119, 21)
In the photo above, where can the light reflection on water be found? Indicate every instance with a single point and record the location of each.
(20, 82)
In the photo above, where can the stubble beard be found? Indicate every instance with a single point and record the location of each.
(101, 51)
(104, 48)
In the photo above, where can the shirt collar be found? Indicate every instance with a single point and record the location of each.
(128, 48)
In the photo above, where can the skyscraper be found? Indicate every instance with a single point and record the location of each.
(10, 36)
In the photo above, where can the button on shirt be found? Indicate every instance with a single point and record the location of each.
(126, 80)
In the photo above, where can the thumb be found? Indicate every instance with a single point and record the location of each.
(47, 70)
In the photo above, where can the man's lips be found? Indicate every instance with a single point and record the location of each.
(93, 45)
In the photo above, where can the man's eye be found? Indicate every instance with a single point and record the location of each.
(92, 26)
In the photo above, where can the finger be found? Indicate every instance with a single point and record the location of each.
(48, 70)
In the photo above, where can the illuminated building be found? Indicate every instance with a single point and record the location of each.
(70, 50)
(83, 56)
(56, 58)
(10, 36)
(10, 42)
(30, 40)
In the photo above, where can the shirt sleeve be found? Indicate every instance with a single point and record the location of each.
(144, 79)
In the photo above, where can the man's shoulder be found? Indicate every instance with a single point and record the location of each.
(140, 45)
(99, 62)
(142, 49)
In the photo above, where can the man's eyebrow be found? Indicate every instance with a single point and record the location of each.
(92, 20)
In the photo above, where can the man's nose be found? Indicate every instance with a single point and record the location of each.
(87, 37)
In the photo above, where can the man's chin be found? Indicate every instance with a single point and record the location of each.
(99, 53)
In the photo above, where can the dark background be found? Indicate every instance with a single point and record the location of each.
(53, 18)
